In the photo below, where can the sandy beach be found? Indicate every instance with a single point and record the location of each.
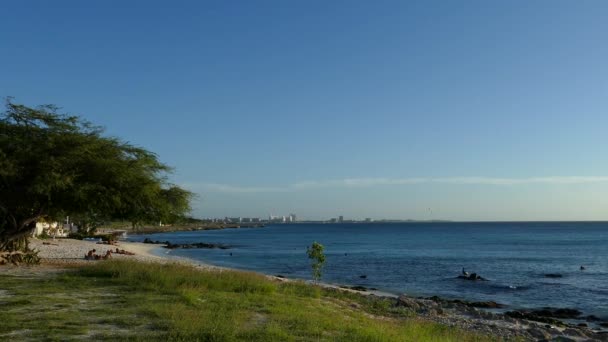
(66, 252)
(70, 251)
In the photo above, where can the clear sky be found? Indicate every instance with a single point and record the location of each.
(464, 110)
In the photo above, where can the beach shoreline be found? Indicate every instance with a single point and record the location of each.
(461, 314)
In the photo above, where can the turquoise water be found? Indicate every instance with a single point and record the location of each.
(425, 258)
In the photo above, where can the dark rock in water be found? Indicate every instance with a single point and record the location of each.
(464, 303)
(486, 305)
(280, 276)
(358, 288)
(557, 313)
(604, 324)
(532, 317)
(363, 276)
(592, 318)
(472, 276)
(148, 240)
(553, 275)
(546, 315)
(373, 289)
(582, 325)
(196, 245)
(441, 301)
(170, 245)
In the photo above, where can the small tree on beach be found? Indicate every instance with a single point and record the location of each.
(315, 254)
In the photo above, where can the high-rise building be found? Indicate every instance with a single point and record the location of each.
(341, 219)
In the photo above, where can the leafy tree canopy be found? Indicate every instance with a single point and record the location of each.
(53, 165)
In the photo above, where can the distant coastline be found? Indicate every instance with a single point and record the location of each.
(178, 228)
(231, 225)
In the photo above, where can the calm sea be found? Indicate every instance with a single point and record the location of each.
(423, 259)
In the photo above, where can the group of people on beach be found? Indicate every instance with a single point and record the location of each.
(92, 256)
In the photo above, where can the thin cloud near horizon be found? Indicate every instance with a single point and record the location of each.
(369, 182)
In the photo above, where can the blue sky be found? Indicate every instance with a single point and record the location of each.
(470, 110)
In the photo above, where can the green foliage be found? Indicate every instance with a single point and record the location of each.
(315, 254)
(122, 300)
(78, 235)
(53, 165)
(29, 257)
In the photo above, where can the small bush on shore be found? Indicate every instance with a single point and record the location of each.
(78, 235)
(317, 257)
(28, 257)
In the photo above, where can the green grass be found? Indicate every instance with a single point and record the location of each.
(120, 300)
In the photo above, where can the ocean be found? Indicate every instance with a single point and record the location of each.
(424, 259)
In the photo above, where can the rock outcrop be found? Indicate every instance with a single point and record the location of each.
(170, 245)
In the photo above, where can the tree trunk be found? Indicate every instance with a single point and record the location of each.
(16, 237)
(14, 247)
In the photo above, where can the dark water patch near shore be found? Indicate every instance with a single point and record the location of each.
(488, 286)
(603, 292)
(553, 275)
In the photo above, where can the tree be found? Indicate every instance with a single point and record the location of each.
(315, 254)
(53, 165)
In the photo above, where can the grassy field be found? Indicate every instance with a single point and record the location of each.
(119, 300)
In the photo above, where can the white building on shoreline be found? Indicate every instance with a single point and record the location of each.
(54, 229)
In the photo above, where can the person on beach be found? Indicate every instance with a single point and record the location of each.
(122, 251)
(90, 255)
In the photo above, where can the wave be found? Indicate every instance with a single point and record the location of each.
(511, 287)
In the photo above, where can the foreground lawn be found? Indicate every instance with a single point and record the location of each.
(121, 300)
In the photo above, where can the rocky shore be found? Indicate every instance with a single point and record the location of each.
(533, 325)
(492, 318)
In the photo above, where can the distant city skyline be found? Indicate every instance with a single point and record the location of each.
(466, 111)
